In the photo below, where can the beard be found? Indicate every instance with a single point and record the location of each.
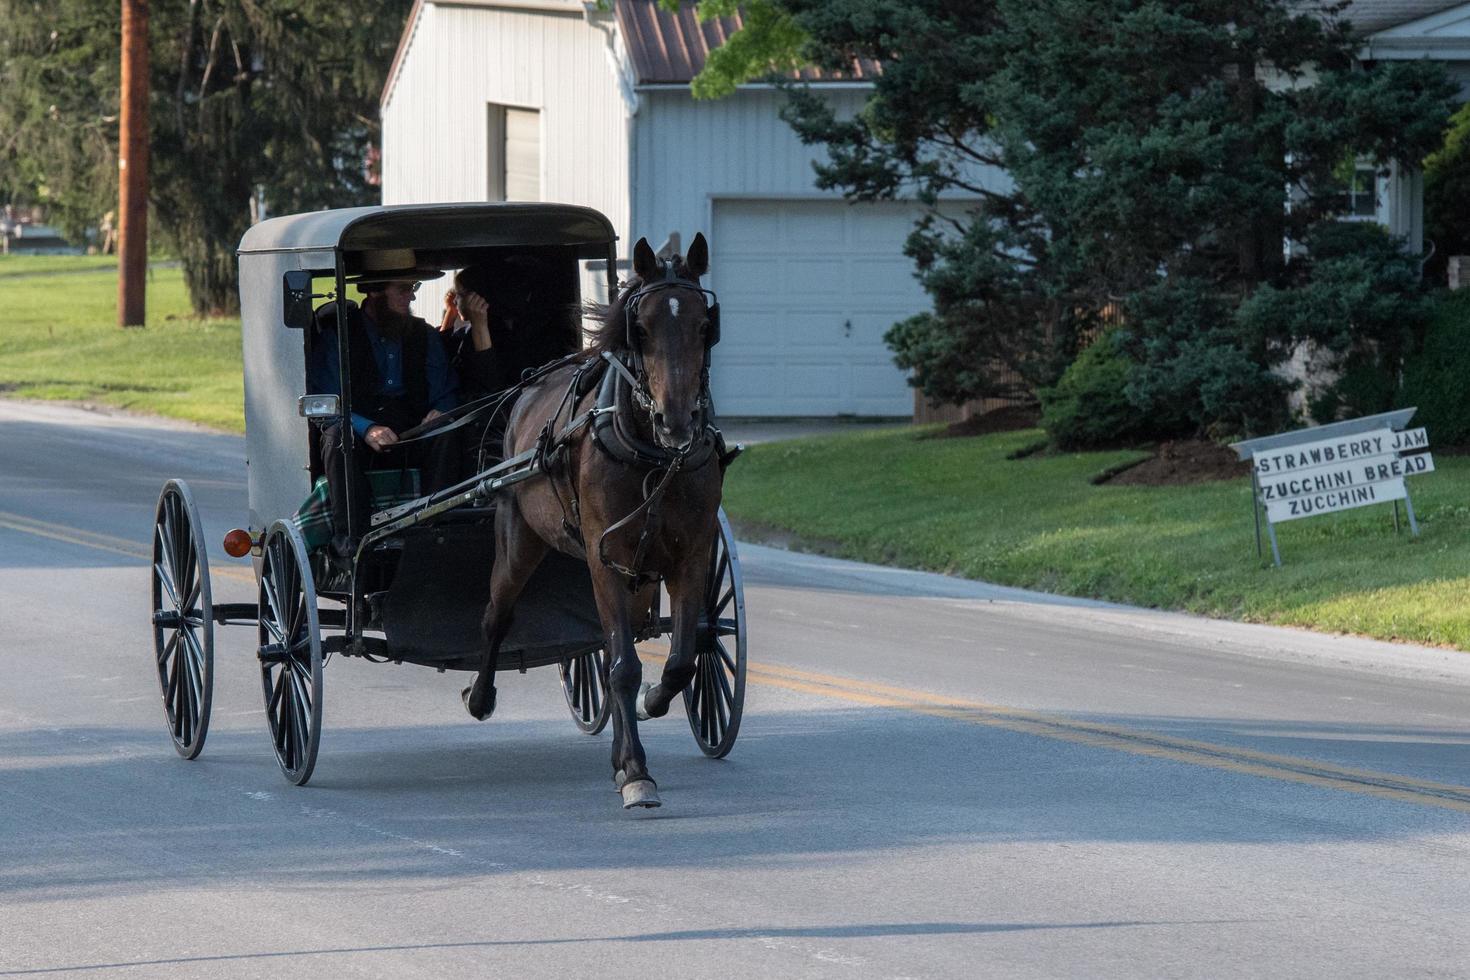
(393, 325)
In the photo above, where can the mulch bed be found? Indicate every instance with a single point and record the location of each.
(1008, 419)
(1182, 462)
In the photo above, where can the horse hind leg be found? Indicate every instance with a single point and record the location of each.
(518, 552)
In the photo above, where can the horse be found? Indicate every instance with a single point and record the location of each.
(637, 521)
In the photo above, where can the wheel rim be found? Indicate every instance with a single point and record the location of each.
(183, 619)
(715, 698)
(584, 682)
(290, 653)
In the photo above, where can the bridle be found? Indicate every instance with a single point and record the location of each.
(637, 377)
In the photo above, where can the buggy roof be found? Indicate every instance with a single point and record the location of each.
(432, 227)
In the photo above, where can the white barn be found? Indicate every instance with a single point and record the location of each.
(555, 100)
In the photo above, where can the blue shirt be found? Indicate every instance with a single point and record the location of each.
(324, 376)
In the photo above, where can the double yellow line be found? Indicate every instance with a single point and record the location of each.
(102, 542)
(1307, 772)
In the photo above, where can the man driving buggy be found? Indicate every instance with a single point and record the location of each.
(400, 379)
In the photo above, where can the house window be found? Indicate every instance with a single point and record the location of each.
(1357, 192)
(514, 154)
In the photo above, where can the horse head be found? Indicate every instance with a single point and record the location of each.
(672, 323)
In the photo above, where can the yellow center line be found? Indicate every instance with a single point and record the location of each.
(1309, 772)
(101, 542)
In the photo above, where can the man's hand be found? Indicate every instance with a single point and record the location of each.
(434, 413)
(380, 437)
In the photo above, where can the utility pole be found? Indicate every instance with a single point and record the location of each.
(132, 166)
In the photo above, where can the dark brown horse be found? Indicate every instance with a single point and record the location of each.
(659, 330)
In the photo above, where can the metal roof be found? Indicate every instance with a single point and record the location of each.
(671, 48)
(432, 227)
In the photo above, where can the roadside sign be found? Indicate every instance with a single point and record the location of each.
(1313, 504)
(1343, 476)
(1335, 467)
(1334, 452)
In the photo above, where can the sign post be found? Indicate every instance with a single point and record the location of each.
(1334, 467)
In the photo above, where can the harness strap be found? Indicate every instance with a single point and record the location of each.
(548, 446)
(650, 505)
(640, 393)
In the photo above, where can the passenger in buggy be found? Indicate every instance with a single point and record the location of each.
(481, 367)
(502, 317)
(401, 379)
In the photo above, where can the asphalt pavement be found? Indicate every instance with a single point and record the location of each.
(934, 778)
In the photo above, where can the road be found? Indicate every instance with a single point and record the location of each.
(934, 778)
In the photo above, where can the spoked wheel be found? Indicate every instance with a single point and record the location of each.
(183, 618)
(715, 699)
(290, 652)
(584, 682)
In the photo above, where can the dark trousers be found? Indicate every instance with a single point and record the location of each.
(438, 461)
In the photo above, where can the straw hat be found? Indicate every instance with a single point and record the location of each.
(392, 265)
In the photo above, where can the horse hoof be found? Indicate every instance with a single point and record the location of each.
(641, 705)
(641, 792)
(467, 695)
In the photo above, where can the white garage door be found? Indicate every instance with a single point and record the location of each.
(807, 290)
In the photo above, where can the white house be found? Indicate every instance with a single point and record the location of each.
(555, 100)
(1402, 30)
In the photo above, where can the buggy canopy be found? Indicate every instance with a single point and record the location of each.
(434, 227)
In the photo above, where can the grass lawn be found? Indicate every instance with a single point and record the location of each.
(59, 339)
(959, 506)
(950, 505)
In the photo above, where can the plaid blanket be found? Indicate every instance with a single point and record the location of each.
(389, 489)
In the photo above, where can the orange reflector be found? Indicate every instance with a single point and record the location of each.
(237, 543)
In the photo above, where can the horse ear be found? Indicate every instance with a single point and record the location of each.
(645, 263)
(697, 260)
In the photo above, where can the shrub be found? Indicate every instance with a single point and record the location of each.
(1200, 370)
(1437, 378)
(1088, 407)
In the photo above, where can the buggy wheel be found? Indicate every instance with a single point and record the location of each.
(715, 698)
(183, 618)
(290, 652)
(584, 682)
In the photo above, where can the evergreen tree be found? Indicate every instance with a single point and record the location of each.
(1447, 193)
(1149, 146)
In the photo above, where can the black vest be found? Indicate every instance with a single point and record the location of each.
(398, 412)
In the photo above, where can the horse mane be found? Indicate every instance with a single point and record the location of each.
(610, 334)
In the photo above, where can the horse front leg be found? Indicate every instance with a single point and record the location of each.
(686, 597)
(625, 675)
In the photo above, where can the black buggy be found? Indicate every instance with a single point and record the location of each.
(419, 583)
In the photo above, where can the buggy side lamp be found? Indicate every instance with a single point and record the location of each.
(319, 406)
(238, 542)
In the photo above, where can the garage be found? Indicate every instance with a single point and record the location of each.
(807, 289)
